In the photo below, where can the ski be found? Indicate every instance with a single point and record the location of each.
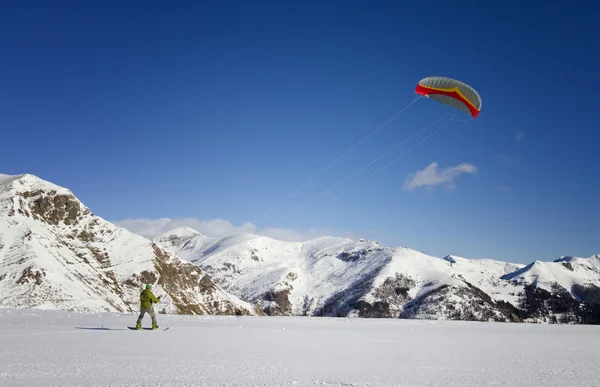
(148, 329)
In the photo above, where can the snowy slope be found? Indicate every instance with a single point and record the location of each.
(487, 275)
(282, 277)
(563, 274)
(185, 242)
(331, 276)
(338, 277)
(52, 348)
(54, 253)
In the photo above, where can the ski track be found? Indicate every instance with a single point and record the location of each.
(52, 348)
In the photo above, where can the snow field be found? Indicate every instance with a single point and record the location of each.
(53, 348)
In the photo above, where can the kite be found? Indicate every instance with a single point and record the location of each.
(451, 92)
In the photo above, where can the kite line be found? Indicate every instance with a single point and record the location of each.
(363, 168)
(340, 157)
(377, 171)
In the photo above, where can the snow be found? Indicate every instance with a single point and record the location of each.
(43, 251)
(54, 348)
(487, 275)
(312, 272)
(256, 264)
(184, 232)
(89, 265)
(8, 178)
(185, 242)
(565, 271)
(49, 266)
(429, 272)
(32, 183)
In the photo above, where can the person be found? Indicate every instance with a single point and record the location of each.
(147, 299)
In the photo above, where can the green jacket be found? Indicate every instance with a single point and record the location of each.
(147, 298)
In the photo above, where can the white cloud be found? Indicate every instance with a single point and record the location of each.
(519, 136)
(150, 228)
(432, 176)
(220, 228)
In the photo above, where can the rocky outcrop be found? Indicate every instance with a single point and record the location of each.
(460, 303)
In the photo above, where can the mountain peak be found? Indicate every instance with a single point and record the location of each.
(181, 232)
(25, 179)
(53, 250)
(564, 258)
(32, 197)
(449, 258)
(30, 183)
(569, 258)
(332, 239)
(4, 179)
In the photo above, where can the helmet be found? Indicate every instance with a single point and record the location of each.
(148, 286)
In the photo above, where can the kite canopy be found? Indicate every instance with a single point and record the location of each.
(451, 92)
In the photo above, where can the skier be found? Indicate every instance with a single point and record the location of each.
(146, 301)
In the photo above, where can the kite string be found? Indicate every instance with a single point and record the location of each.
(336, 160)
(362, 168)
(376, 172)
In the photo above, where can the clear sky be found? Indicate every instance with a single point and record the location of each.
(216, 112)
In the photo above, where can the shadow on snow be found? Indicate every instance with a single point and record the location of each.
(100, 329)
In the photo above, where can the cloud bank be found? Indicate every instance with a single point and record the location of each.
(220, 228)
(432, 176)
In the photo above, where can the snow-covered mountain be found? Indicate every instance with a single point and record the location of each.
(565, 272)
(56, 254)
(339, 277)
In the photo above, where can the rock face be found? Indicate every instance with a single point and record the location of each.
(339, 277)
(54, 253)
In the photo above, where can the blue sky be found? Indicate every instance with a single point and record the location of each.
(216, 112)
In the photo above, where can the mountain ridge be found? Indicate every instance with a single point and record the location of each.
(55, 253)
(299, 278)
